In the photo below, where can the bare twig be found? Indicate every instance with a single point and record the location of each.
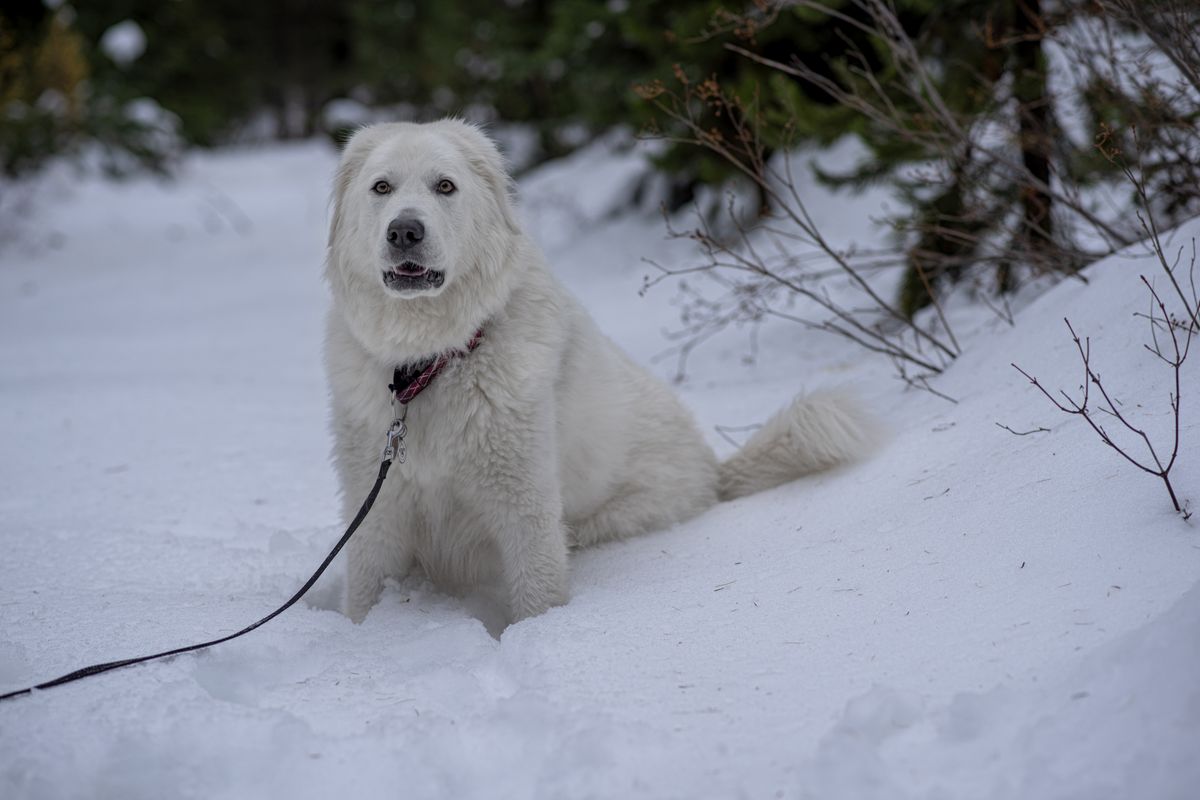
(1038, 429)
(724, 430)
(1158, 465)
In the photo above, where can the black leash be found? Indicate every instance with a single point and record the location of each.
(407, 383)
(96, 669)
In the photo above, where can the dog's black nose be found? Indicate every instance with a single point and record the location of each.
(405, 232)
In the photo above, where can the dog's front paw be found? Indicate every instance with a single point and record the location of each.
(529, 607)
(362, 592)
(538, 594)
(355, 609)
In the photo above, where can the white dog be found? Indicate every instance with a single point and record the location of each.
(546, 436)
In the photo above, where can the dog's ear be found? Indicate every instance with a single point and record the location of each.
(354, 154)
(487, 162)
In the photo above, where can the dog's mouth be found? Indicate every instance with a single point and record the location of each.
(409, 276)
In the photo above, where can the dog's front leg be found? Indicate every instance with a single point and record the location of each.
(533, 549)
(382, 546)
(516, 484)
(375, 553)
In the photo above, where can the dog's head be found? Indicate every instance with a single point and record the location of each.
(417, 207)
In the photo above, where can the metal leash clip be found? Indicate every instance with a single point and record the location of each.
(393, 443)
(394, 449)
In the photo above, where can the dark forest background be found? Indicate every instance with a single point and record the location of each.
(209, 73)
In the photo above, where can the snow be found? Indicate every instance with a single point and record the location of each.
(124, 42)
(966, 614)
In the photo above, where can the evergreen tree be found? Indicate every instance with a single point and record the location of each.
(220, 65)
(53, 103)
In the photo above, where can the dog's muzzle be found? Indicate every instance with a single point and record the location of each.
(409, 276)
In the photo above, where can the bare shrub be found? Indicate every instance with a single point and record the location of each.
(1171, 340)
(1000, 191)
(765, 273)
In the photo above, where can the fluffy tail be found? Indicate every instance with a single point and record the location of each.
(814, 433)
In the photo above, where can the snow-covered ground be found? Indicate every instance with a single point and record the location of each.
(968, 614)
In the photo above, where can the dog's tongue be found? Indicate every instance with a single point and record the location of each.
(409, 270)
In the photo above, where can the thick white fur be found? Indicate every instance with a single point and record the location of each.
(544, 438)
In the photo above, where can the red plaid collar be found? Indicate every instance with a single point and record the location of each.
(410, 380)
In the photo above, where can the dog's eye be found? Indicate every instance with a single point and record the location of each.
(445, 187)
(381, 187)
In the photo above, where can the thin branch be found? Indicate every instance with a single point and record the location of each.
(1038, 429)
